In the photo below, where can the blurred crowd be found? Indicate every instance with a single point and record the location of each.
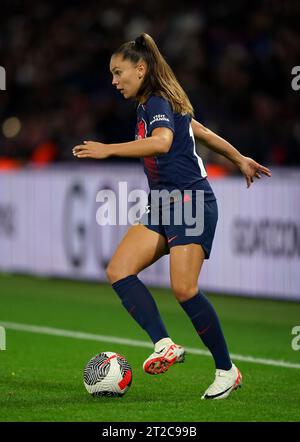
(234, 59)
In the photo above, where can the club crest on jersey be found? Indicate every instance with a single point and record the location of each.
(141, 129)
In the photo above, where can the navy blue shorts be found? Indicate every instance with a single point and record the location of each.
(174, 220)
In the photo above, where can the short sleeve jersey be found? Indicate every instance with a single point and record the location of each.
(181, 167)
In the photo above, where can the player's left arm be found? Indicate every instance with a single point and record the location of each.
(247, 166)
(158, 143)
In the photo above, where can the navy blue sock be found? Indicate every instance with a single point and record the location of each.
(139, 302)
(206, 322)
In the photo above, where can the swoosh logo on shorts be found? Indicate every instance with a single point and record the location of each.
(171, 239)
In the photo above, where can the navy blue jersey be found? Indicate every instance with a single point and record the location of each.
(181, 167)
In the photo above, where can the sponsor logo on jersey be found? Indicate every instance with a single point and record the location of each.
(159, 117)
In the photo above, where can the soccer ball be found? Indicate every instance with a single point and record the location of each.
(107, 374)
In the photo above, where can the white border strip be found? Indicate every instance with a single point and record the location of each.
(133, 343)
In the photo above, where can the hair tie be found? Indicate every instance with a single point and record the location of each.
(140, 42)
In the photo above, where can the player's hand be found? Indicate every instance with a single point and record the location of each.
(91, 149)
(251, 169)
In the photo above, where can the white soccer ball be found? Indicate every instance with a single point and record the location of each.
(107, 374)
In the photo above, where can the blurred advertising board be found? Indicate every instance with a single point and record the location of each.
(48, 226)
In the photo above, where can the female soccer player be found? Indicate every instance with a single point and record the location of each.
(165, 142)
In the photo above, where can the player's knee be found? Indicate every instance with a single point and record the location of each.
(115, 272)
(184, 290)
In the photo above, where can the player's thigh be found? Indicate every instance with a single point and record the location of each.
(185, 265)
(139, 248)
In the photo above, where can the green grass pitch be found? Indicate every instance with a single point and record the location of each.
(41, 375)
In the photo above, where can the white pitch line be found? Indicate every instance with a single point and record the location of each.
(133, 343)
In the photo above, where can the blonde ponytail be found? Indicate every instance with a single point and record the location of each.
(159, 79)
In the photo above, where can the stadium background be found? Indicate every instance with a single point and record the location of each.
(234, 59)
